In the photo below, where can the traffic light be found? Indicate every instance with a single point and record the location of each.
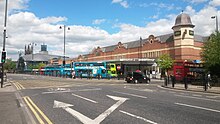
(3, 56)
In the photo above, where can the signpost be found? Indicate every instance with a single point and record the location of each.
(4, 39)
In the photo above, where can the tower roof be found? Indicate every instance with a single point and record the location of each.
(183, 20)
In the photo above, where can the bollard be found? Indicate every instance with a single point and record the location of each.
(165, 81)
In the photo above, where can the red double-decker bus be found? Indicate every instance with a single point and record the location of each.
(183, 69)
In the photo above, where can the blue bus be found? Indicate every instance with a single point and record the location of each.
(94, 69)
(58, 70)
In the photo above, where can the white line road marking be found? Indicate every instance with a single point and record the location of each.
(196, 95)
(162, 91)
(171, 92)
(199, 98)
(84, 119)
(198, 107)
(131, 94)
(85, 98)
(132, 115)
(68, 91)
(212, 96)
(147, 90)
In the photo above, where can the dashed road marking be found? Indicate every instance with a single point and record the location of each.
(198, 107)
(198, 98)
(196, 95)
(139, 117)
(131, 94)
(84, 98)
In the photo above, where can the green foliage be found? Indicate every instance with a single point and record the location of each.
(21, 64)
(37, 66)
(211, 54)
(165, 62)
(10, 65)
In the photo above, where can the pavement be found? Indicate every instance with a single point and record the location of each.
(195, 88)
(11, 111)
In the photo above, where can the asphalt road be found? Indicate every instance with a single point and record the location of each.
(68, 101)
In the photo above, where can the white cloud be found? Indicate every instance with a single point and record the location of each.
(25, 27)
(98, 21)
(123, 3)
(215, 2)
(196, 1)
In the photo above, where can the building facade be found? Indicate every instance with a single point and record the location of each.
(182, 45)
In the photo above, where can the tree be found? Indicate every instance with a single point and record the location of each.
(165, 62)
(210, 54)
(37, 66)
(21, 64)
(10, 65)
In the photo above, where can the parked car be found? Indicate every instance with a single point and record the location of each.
(136, 77)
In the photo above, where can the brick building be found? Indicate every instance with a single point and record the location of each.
(182, 45)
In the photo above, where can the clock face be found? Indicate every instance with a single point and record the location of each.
(177, 33)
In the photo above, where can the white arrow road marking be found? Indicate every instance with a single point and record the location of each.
(58, 104)
(101, 117)
(84, 119)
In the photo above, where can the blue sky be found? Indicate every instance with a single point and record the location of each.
(96, 23)
(84, 12)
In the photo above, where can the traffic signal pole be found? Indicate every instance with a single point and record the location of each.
(3, 49)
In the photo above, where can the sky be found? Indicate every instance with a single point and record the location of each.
(96, 23)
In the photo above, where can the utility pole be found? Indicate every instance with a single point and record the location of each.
(216, 19)
(140, 53)
(3, 49)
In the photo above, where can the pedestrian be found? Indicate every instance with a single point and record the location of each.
(209, 79)
(73, 74)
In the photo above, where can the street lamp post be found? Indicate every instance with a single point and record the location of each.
(32, 53)
(64, 42)
(4, 40)
(216, 18)
(140, 53)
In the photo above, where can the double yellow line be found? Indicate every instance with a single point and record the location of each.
(19, 86)
(40, 116)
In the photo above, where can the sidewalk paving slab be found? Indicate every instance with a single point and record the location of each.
(214, 90)
(10, 110)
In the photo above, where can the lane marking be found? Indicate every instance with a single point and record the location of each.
(86, 120)
(199, 98)
(131, 94)
(138, 117)
(147, 90)
(34, 107)
(69, 91)
(198, 107)
(197, 95)
(212, 96)
(84, 98)
(171, 92)
(18, 87)
(22, 87)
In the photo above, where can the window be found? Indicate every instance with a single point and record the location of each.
(191, 32)
(177, 33)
